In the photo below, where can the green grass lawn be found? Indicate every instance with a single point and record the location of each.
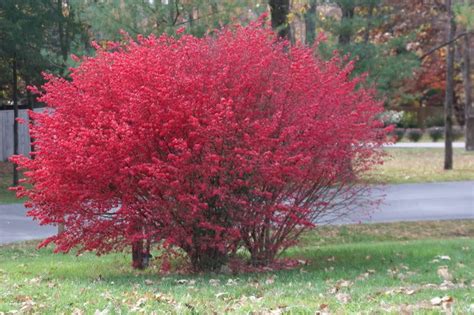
(351, 269)
(6, 170)
(6, 179)
(410, 165)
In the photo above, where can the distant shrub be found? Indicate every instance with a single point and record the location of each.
(436, 133)
(414, 134)
(435, 121)
(408, 120)
(398, 133)
(391, 117)
(458, 133)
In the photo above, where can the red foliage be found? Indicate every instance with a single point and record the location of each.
(205, 144)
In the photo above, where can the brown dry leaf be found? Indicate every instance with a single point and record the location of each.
(446, 285)
(182, 281)
(34, 281)
(231, 282)
(77, 311)
(221, 294)
(444, 273)
(344, 298)
(138, 305)
(323, 310)
(436, 301)
(443, 257)
(362, 276)
(22, 298)
(442, 300)
(148, 282)
(27, 306)
(270, 280)
(164, 298)
(401, 290)
(214, 282)
(344, 284)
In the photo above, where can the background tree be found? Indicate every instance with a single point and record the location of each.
(279, 10)
(448, 106)
(367, 32)
(23, 31)
(465, 18)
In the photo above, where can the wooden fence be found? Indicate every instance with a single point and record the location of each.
(6, 133)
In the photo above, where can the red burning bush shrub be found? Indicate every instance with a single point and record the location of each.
(205, 144)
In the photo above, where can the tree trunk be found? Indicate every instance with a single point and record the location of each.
(468, 110)
(211, 259)
(215, 14)
(62, 41)
(346, 27)
(15, 117)
(369, 23)
(138, 255)
(29, 100)
(279, 14)
(448, 104)
(171, 13)
(310, 23)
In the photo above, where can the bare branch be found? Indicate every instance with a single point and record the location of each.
(432, 50)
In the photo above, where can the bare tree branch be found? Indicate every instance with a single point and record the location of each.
(432, 50)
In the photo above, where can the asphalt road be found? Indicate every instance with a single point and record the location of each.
(405, 202)
(419, 145)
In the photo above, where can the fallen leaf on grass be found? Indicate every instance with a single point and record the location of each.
(138, 306)
(221, 294)
(231, 282)
(323, 310)
(270, 280)
(77, 311)
(339, 285)
(149, 282)
(443, 257)
(103, 312)
(444, 273)
(27, 306)
(363, 276)
(214, 282)
(182, 281)
(34, 281)
(401, 290)
(344, 298)
(440, 300)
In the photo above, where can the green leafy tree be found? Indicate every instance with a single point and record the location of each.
(35, 36)
(365, 30)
